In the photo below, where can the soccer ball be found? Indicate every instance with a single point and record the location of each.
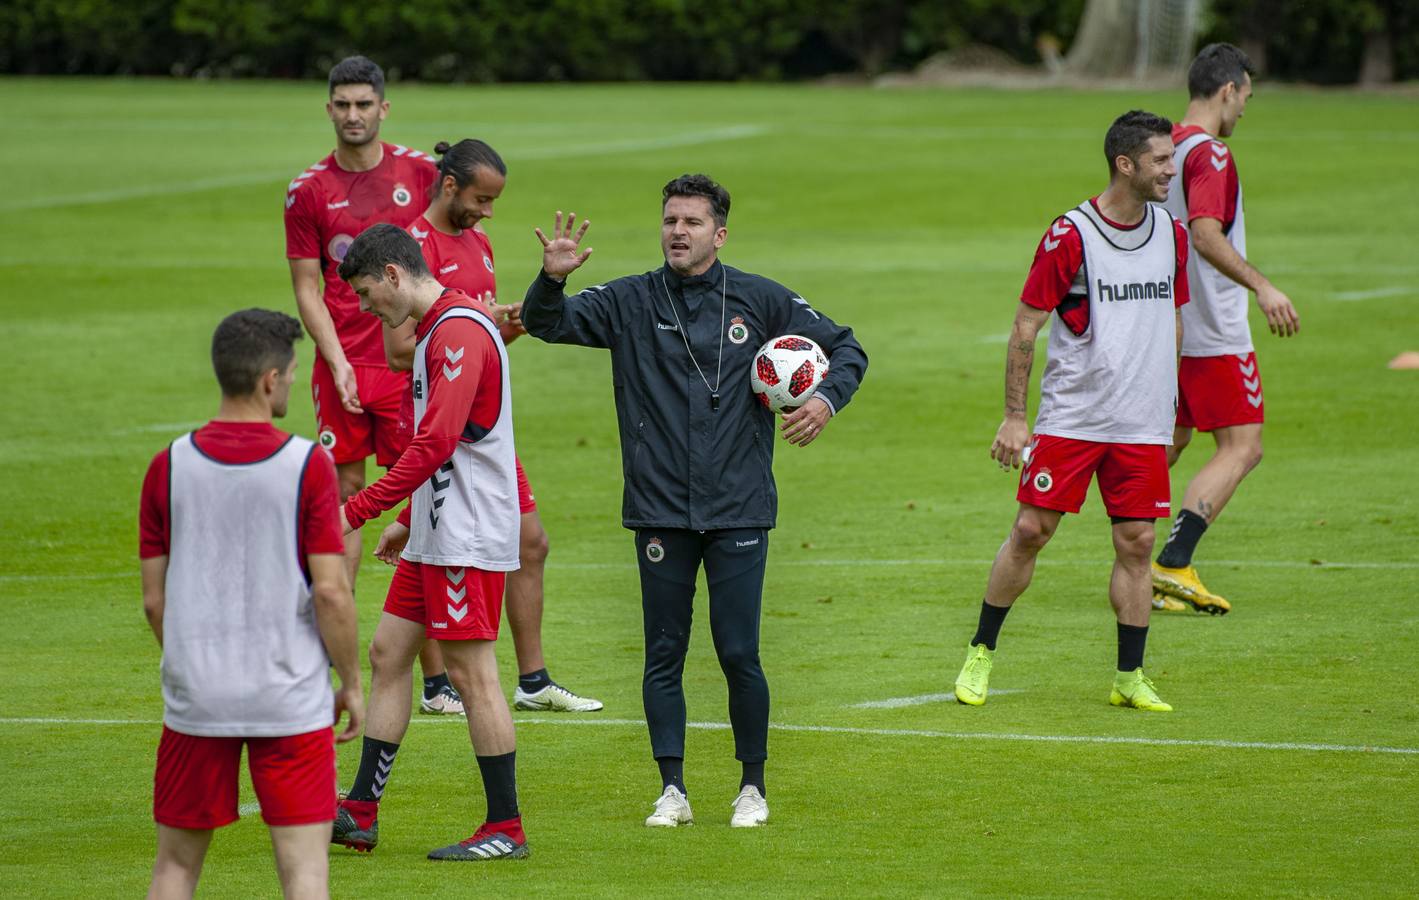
(787, 370)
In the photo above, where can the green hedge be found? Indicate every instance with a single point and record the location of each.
(612, 40)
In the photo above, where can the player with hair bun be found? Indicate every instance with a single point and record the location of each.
(471, 176)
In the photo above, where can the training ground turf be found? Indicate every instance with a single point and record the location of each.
(136, 214)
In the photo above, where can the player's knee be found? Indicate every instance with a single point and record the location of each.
(534, 546)
(1030, 534)
(383, 658)
(739, 659)
(1134, 544)
(1251, 455)
(351, 484)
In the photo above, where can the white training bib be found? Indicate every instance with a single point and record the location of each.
(242, 655)
(467, 513)
(1117, 382)
(1215, 321)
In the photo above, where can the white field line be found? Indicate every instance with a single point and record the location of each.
(1401, 565)
(1397, 290)
(920, 700)
(588, 720)
(561, 149)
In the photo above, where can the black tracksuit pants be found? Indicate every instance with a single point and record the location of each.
(734, 568)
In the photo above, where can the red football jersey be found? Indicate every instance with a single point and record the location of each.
(1055, 283)
(462, 261)
(461, 409)
(1209, 178)
(327, 207)
(236, 443)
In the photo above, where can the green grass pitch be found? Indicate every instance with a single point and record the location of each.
(136, 214)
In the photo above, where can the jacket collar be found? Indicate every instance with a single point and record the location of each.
(710, 277)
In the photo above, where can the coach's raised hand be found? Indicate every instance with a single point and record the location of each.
(562, 255)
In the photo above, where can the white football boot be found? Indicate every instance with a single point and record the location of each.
(445, 703)
(554, 698)
(671, 809)
(750, 808)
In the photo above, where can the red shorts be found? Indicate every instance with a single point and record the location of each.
(1133, 478)
(349, 437)
(454, 604)
(1219, 391)
(526, 503)
(196, 781)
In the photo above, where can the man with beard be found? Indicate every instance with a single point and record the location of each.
(697, 453)
(471, 177)
(357, 398)
(1114, 269)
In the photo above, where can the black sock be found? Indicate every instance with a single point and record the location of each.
(753, 774)
(533, 682)
(376, 759)
(1131, 639)
(991, 618)
(435, 684)
(500, 785)
(672, 772)
(1182, 541)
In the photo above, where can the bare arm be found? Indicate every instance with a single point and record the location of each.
(1177, 314)
(1208, 240)
(339, 630)
(155, 572)
(1014, 431)
(305, 281)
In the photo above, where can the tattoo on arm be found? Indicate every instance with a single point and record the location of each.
(1019, 360)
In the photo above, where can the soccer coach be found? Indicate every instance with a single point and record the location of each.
(696, 453)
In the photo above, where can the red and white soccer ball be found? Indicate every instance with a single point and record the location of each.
(787, 370)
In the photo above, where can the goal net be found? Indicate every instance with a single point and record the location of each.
(1139, 39)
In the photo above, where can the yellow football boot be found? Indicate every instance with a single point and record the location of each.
(1135, 690)
(1183, 584)
(973, 683)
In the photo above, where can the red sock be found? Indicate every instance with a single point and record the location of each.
(363, 811)
(510, 827)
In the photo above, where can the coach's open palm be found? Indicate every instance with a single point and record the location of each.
(562, 255)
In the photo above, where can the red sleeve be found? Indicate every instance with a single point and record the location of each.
(153, 530)
(1180, 290)
(302, 222)
(320, 507)
(457, 354)
(1057, 262)
(406, 515)
(1210, 183)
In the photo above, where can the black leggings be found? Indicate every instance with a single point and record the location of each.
(734, 567)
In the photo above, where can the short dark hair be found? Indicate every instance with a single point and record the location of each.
(250, 343)
(1130, 133)
(700, 186)
(463, 160)
(357, 70)
(378, 246)
(1215, 67)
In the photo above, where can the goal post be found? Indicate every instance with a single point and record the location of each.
(1138, 39)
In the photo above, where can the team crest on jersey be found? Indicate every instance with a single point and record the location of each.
(738, 331)
(487, 263)
(339, 246)
(401, 195)
(1042, 481)
(654, 550)
(327, 439)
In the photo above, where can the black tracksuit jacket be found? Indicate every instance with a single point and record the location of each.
(685, 464)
